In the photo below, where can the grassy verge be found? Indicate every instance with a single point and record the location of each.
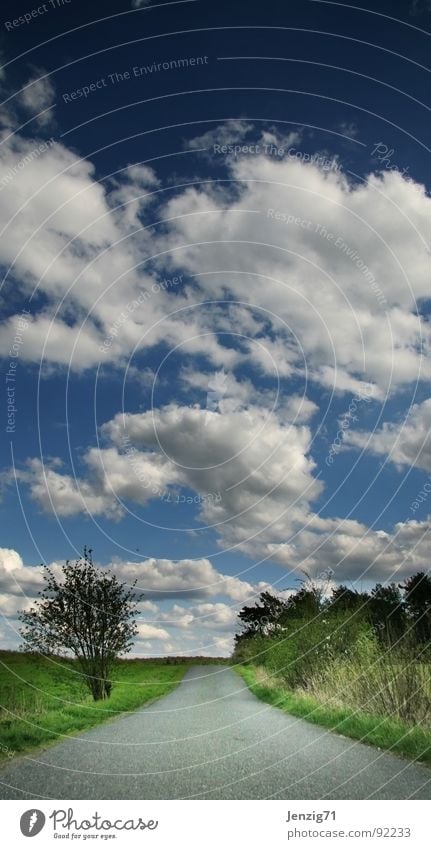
(384, 732)
(42, 699)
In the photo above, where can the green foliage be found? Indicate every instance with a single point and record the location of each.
(417, 591)
(387, 613)
(345, 598)
(367, 653)
(262, 617)
(89, 613)
(302, 651)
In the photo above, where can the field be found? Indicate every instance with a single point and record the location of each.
(44, 699)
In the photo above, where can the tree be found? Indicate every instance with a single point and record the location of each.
(87, 612)
(417, 594)
(345, 599)
(262, 618)
(387, 612)
(309, 599)
(305, 603)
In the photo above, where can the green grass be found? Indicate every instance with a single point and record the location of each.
(43, 700)
(383, 732)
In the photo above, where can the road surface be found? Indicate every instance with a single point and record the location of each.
(211, 738)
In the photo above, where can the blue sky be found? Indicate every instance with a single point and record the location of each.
(215, 301)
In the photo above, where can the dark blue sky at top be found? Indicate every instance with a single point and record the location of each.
(336, 35)
(146, 122)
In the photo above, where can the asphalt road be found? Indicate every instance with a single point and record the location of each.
(212, 739)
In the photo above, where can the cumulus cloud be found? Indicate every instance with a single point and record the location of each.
(37, 98)
(194, 623)
(63, 494)
(406, 442)
(15, 578)
(247, 467)
(69, 237)
(203, 617)
(250, 470)
(315, 278)
(334, 271)
(342, 265)
(354, 552)
(240, 132)
(264, 483)
(230, 132)
(161, 579)
(151, 632)
(208, 615)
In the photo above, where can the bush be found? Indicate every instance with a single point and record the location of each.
(393, 682)
(339, 660)
(303, 653)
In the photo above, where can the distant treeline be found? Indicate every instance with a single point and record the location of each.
(199, 659)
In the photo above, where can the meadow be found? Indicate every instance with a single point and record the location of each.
(43, 699)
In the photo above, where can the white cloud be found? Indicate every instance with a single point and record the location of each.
(317, 300)
(344, 272)
(248, 467)
(231, 132)
(37, 98)
(151, 632)
(162, 579)
(208, 615)
(10, 560)
(10, 604)
(298, 409)
(265, 480)
(64, 494)
(215, 616)
(194, 624)
(199, 622)
(355, 552)
(17, 579)
(300, 300)
(242, 464)
(405, 443)
(242, 133)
